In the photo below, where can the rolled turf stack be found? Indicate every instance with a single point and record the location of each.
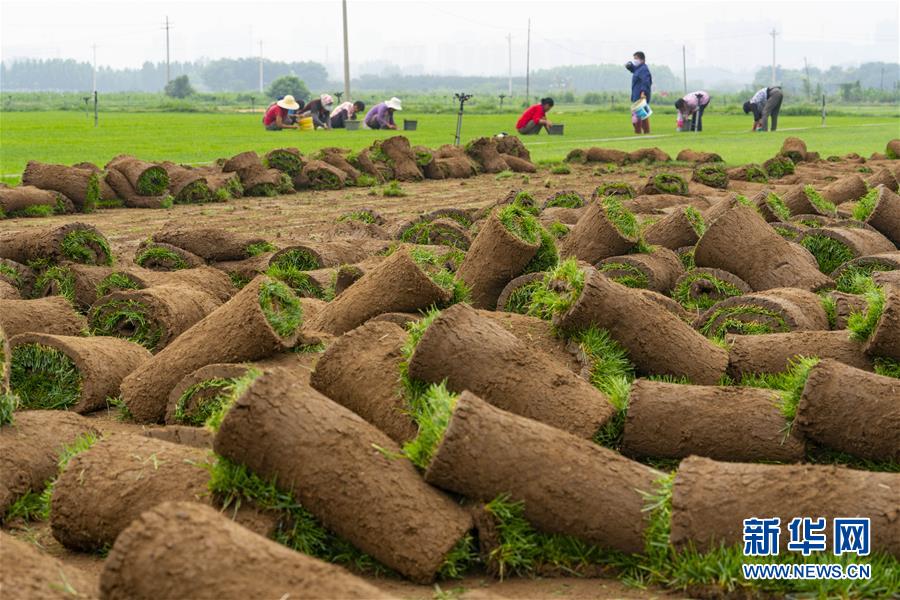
(484, 152)
(212, 557)
(19, 276)
(805, 200)
(223, 186)
(516, 295)
(118, 181)
(212, 281)
(187, 186)
(402, 158)
(572, 486)
(75, 282)
(152, 317)
(159, 256)
(286, 431)
(702, 287)
(852, 411)
(337, 157)
(833, 246)
(435, 231)
(774, 311)
(70, 373)
(320, 175)
(212, 244)
(372, 353)
(670, 420)
(147, 179)
(657, 271)
(75, 242)
(503, 247)
(470, 352)
(605, 229)
(772, 352)
(665, 183)
(39, 575)
(202, 392)
(681, 227)
(81, 186)
(741, 242)
(883, 213)
(657, 341)
(30, 201)
(256, 179)
(53, 315)
(286, 160)
(450, 162)
(261, 319)
(711, 499)
(711, 175)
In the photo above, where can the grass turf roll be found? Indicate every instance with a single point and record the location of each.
(882, 212)
(201, 393)
(320, 175)
(39, 575)
(516, 295)
(127, 196)
(261, 319)
(665, 183)
(308, 444)
(681, 227)
(440, 231)
(212, 243)
(606, 228)
(146, 178)
(772, 352)
(774, 311)
(657, 271)
(286, 160)
(883, 320)
(17, 275)
(309, 256)
(711, 175)
(688, 155)
(29, 201)
(751, 172)
(565, 199)
(833, 246)
(845, 189)
(81, 186)
(187, 186)
(846, 277)
(701, 288)
(805, 200)
(158, 256)
(53, 315)
(72, 373)
(75, 242)
(779, 166)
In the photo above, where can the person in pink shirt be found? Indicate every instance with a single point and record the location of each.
(691, 106)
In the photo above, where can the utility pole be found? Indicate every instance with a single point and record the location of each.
(773, 33)
(509, 43)
(346, 54)
(808, 81)
(168, 73)
(528, 66)
(684, 67)
(260, 68)
(95, 84)
(882, 78)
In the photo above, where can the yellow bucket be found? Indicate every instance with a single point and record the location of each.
(306, 124)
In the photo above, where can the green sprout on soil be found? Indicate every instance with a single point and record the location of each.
(829, 305)
(519, 222)
(865, 205)
(363, 216)
(558, 230)
(560, 289)
(713, 291)
(117, 405)
(789, 383)
(393, 190)
(625, 274)
(301, 283)
(829, 252)
(35, 210)
(460, 217)
(197, 404)
(862, 324)
(560, 169)
(239, 281)
(670, 183)
(87, 247)
(31, 506)
(157, 255)
(788, 234)
(152, 182)
(460, 559)
(365, 180)
(92, 194)
(435, 268)
(526, 200)
(547, 255)
(258, 248)
(740, 319)
(44, 377)
(821, 204)
(505, 174)
(115, 282)
(622, 219)
(616, 188)
(114, 203)
(286, 186)
(127, 319)
(778, 207)
(298, 258)
(698, 224)
(9, 403)
(566, 200)
(857, 279)
(431, 411)
(281, 307)
(778, 167)
(59, 277)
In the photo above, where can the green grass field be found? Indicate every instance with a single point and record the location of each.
(69, 137)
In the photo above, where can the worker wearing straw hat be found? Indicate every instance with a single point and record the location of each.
(276, 115)
(381, 116)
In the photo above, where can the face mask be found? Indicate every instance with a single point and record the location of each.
(637, 62)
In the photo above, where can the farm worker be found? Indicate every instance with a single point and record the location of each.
(535, 118)
(693, 105)
(346, 111)
(764, 104)
(320, 111)
(381, 116)
(641, 82)
(276, 117)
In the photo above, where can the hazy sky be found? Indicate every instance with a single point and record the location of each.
(463, 37)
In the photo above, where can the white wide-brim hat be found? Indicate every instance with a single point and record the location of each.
(394, 103)
(288, 102)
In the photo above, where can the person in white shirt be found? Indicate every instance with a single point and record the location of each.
(346, 111)
(764, 104)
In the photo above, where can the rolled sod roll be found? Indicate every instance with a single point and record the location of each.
(681, 227)
(470, 352)
(75, 282)
(516, 294)
(670, 420)
(146, 178)
(211, 557)
(657, 341)
(883, 177)
(333, 253)
(741, 242)
(213, 243)
(540, 335)
(337, 157)
(711, 499)
(771, 206)
(851, 410)
(75, 242)
(571, 485)
(605, 229)
(53, 315)
(484, 152)
(774, 311)
(794, 148)
(665, 183)
(286, 431)
(832, 246)
(885, 214)
(158, 256)
(441, 231)
(518, 165)
(222, 186)
(607, 155)
(866, 265)
(402, 158)
(688, 155)
(29, 201)
(153, 316)
(701, 288)
(72, 373)
(373, 352)
(241, 161)
(712, 175)
(187, 186)
(261, 319)
(844, 306)
(667, 303)
(752, 172)
(885, 339)
(30, 573)
(846, 189)
(81, 186)
(397, 284)
(804, 200)
(17, 275)
(772, 352)
(107, 486)
(130, 197)
(649, 155)
(30, 448)
(257, 180)
(211, 280)
(199, 393)
(657, 271)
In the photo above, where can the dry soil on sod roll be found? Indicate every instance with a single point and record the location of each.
(236, 331)
(670, 420)
(371, 353)
(196, 437)
(660, 268)
(470, 352)
(30, 573)
(109, 485)
(212, 281)
(673, 231)
(30, 447)
(346, 472)
(772, 352)
(102, 363)
(710, 500)
(212, 557)
(846, 189)
(53, 315)
(569, 485)
(540, 335)
(209, 243)
(73, 241)
(851, 411)
(204, 388)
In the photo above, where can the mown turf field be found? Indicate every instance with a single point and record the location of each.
(70, 137)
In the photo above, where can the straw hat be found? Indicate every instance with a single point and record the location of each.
(288, 102)
(394, 103)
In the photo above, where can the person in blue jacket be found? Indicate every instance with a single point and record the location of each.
(641, 82)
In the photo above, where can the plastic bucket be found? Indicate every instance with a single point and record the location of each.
(306, 124)
(409, 125)
(556, 129)
(641, 109)
(352, 125)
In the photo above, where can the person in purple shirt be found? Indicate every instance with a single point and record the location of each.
(691, 106)
(381, 116)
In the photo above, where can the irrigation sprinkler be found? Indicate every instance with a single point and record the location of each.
(462, 97)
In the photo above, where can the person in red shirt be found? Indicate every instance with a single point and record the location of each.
(276, 115)
(535, 118)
